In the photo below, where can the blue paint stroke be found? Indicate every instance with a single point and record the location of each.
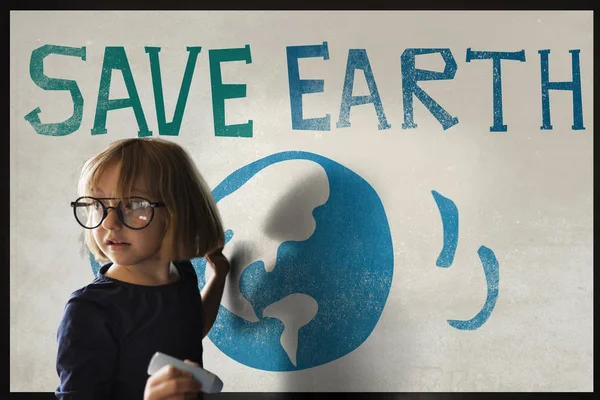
(95, 264)
(449, 214)
(228, 235)
(492, 276)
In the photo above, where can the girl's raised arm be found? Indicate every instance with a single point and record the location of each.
(212, 293)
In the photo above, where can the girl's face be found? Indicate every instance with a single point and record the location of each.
(139, 248)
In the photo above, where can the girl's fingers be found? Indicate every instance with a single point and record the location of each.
(185, 396)
(175, 388)
(195, 364)
(166, 373)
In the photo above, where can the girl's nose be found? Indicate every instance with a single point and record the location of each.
(111, 222)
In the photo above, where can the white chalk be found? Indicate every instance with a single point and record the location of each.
(209, 381)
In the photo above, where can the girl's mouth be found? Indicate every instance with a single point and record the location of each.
(116, 244)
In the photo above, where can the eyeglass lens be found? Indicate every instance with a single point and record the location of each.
(134, 213)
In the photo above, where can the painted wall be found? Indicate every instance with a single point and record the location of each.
(408, 196)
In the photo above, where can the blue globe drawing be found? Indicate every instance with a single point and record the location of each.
(346, 265)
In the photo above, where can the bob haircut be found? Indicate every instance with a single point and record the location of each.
(194, 226)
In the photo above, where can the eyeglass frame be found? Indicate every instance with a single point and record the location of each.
(117, 209)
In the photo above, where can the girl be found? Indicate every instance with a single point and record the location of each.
(146, 212)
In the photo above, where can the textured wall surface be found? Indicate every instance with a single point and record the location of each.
(353, 246)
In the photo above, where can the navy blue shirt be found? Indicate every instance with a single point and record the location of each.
(110, 330)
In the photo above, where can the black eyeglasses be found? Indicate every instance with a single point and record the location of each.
(134, 212)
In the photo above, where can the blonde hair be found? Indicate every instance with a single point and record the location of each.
(194, 226)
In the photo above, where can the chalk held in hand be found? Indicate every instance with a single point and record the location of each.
(209, 381)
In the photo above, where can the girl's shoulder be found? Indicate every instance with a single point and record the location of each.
(97, 295)
(187, 271)
(94, 306)
(105, 292)
(185, 265)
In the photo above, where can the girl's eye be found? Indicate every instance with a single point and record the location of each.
(136, 205)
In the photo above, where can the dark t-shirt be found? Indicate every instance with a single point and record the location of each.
(110, 330)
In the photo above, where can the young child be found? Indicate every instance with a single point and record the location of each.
(147, 211)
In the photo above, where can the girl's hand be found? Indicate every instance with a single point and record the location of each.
(218, 262)
(172, 384)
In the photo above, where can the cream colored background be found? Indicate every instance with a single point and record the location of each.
(527, 194)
